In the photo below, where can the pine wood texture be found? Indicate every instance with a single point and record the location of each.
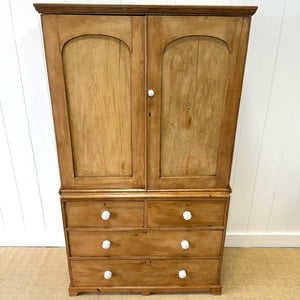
(170, 213)
(99, 105)
(79, 9)
(144, 159)
(146, 243)
(88, 214)
(134, 273)
(88, 92)
(194, 78)
(178, 134)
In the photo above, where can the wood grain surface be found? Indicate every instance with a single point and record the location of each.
(134, 273)
(88, 214)
(195, 65)
(146, 243)
(97, 107)
(97, 77)
(170, 213)
(193, 113)
(144, 9)
(194, 78)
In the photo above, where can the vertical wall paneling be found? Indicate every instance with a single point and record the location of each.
(44, 166)
(283, 128)
(273, 143)
(216, 2)
(93, 1)
(16, 126)
(261, 58)
(11, 210)
(189, 2)
(2, 225)
(160, 2)
(137, 2)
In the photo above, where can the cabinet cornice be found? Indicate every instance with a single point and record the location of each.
(91, 9)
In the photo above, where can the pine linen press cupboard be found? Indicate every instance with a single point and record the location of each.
(145, 102)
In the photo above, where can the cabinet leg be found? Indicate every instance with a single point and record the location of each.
(216, 291)
(145, 293)
(73, 292)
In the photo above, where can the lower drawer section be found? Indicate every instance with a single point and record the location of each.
(144, 273)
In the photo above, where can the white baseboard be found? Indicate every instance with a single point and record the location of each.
(40, 239)
(252, 240)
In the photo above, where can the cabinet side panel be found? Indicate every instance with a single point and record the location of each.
(58, 100)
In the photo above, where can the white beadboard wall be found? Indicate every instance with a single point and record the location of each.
(265, 203)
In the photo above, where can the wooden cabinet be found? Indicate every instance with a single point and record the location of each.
(145, 102)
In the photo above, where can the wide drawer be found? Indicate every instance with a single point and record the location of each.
(146, 243)
(135, 273)
(171, 213)
(89, 213)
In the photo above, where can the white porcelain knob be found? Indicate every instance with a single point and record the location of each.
(182, 274)
(150, 93)
(185, 244)
(187, 215)
(107, 274)
(106, 244)
(105, 215)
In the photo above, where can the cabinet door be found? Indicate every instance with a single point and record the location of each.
(195, 68)
(96, 72)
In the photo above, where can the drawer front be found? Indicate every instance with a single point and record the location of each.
(89, 214)
(137, 273)
(171, 213)
(198, 243)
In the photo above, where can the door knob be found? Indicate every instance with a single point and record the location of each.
(150, 93)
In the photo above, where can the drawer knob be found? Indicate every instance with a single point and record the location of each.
(187, 215)
(185, 244)
(150, 93)
(106, 244)
(107, 274)
(182, 274)
(105, 215)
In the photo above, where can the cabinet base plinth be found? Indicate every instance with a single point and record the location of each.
(215, 290)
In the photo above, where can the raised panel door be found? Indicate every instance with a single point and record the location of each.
(96, 72)
(195, 67)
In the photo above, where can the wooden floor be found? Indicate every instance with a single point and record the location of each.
(41, 273)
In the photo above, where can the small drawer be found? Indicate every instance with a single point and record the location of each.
(104, 214)
(140, 273)
(186, 213)
(195, 243)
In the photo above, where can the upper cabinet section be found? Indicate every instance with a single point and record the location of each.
(195, 68)
(96, 72)
(102, 62)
